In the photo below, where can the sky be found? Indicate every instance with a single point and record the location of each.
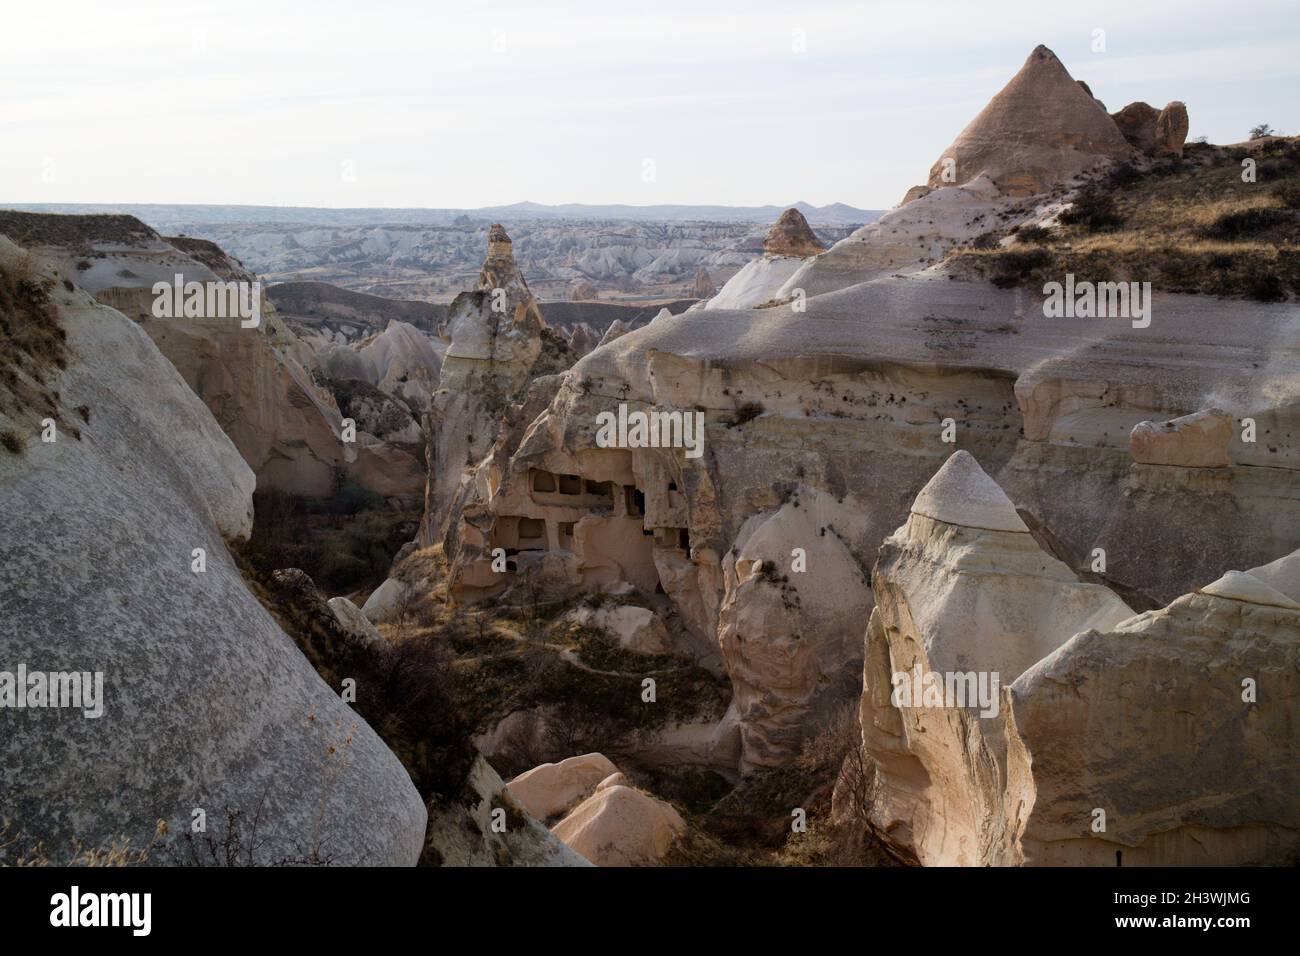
(461, 105)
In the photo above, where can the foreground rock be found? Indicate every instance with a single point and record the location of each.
(206, 702)
(620, 826)
(1201, 698)
(553, 788)
(1110, 729)
(964, 593)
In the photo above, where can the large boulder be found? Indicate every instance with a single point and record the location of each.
(1166, 740)
(620, 826)
(1152, 131)
(206, 703)
(1199, 440)
(552, 788)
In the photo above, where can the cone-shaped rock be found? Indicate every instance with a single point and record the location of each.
(961, 493)
(1041, 129)
(1240, 586)
(792, 236)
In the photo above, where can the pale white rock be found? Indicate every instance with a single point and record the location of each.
(385, 599)
(961, 493)
(613, 780)
(1240, 586)
(620, 826)
(552, 788)
(958, 599)
(1281, 575)
(352, 620)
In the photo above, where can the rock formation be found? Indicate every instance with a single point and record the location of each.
(1040, 130)
(789, 625)
(206, 702)
(551, 789)
(1180, 728)
(703, 286)
(787, 245)
(620, 826)
(494, 336)
(961, 589)
(598, 814)
(1152, 131)
(792, 236)
(258, 382)
(488, 827)
(1109, 729)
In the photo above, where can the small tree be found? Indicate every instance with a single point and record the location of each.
(1263, 129)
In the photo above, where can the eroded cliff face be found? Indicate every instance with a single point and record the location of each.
(1152, 739)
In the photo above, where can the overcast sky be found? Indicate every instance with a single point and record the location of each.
(471, 104)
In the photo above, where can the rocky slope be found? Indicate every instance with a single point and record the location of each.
(207, 704)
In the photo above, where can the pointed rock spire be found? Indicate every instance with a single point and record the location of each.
(1239, 586)
(961, 493)
(1041, 129)
(1281, 575)
(792, 236)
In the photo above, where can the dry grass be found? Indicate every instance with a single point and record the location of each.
(1185, 226)
(33, 349)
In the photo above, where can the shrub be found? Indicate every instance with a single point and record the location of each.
(1094, 210)
(1288, 194)
(1033, 234)
(1013, 267)
(1246, 223)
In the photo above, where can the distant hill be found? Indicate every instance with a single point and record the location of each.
(162, 215)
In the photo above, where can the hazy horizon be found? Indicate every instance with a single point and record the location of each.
(468, 106)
